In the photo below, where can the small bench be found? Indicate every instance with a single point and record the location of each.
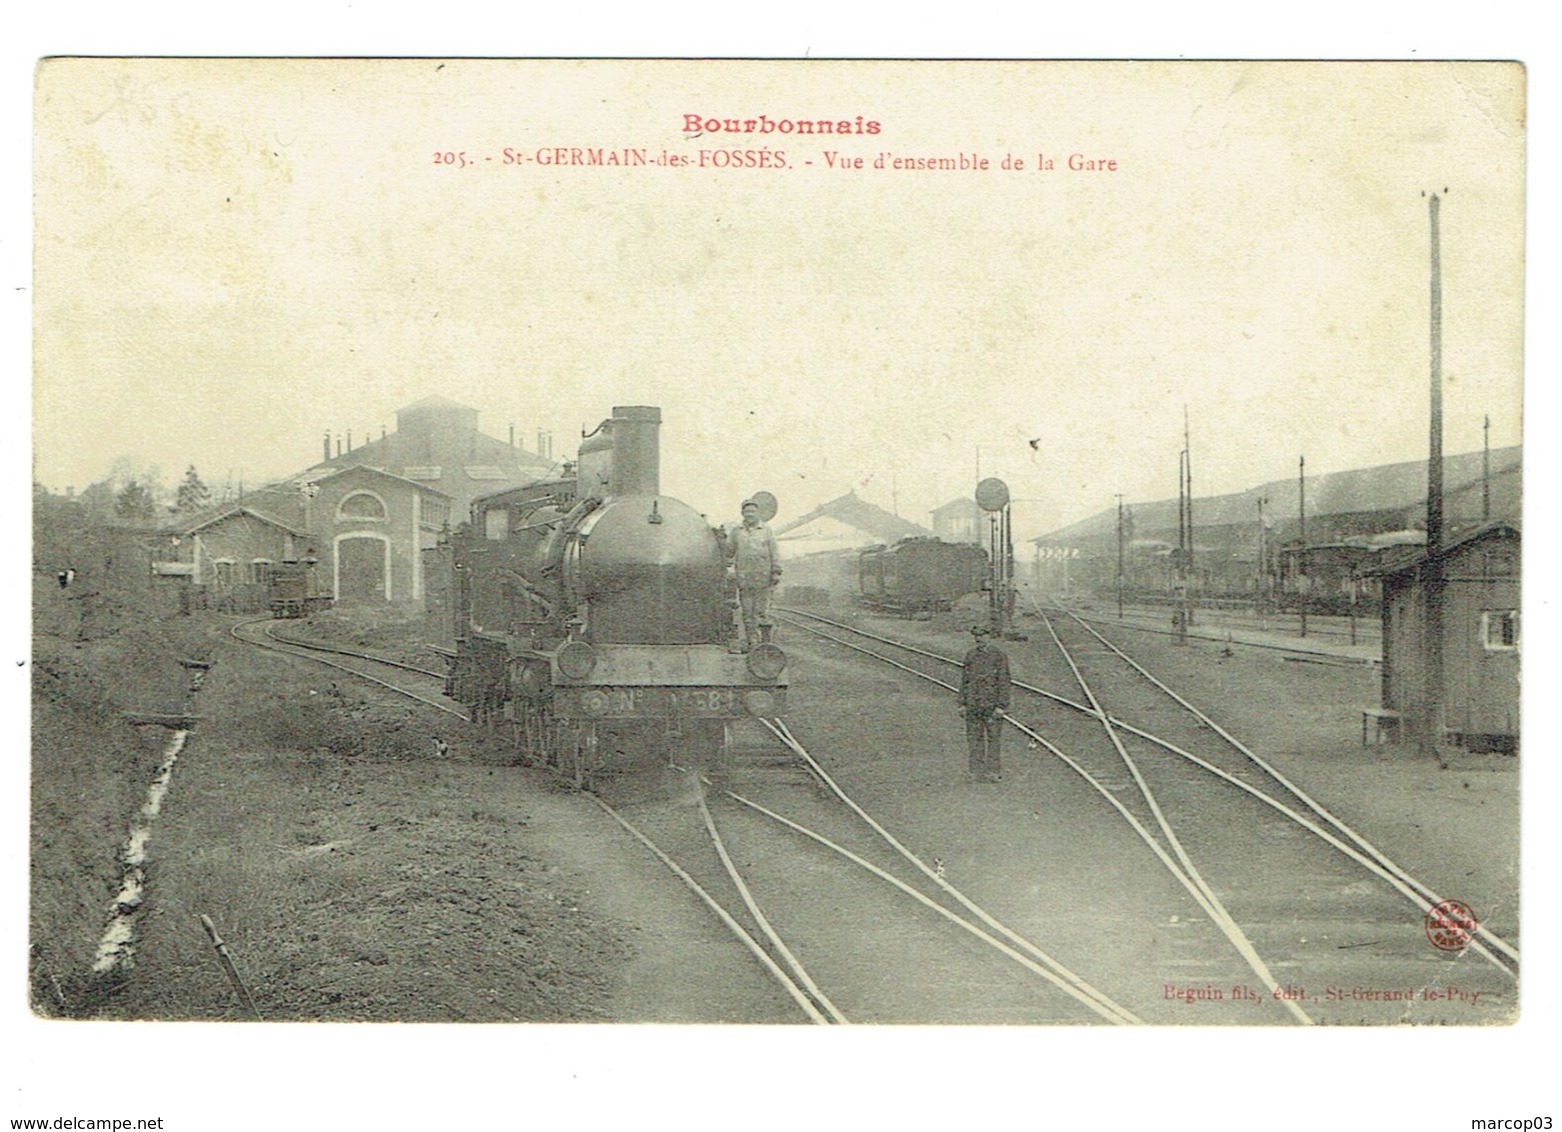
(1376, 717)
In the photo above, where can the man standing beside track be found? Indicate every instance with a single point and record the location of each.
(984, 692)
(756, 563)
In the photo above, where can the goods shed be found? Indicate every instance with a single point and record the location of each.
(1479, 693)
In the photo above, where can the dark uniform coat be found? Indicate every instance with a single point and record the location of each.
(984, 680)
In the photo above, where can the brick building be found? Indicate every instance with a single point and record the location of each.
(366, 528)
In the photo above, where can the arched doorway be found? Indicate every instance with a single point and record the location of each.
(362, 568)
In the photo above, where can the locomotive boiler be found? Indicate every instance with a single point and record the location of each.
(594, 617)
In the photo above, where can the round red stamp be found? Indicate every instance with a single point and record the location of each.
(1450, 925)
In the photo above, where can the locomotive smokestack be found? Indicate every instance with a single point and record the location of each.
(637, 459)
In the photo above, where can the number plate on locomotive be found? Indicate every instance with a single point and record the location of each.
(608, 702)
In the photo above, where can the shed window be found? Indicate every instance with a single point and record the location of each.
(1500, 628)
(260, 571)
(361, 505)
(224, 572)
(435, 513)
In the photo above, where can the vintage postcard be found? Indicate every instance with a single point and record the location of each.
(777, 542)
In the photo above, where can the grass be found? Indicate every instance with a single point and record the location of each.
(351, 875)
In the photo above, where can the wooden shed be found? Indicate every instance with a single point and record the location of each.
(1480, 684)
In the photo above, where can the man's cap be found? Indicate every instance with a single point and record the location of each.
(748, 503)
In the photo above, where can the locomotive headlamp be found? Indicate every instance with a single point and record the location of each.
(766, 661)
(576, 660)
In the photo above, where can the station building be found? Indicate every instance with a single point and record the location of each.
(961, 520)
(844, 523)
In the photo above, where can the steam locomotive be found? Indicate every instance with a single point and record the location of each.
(594, 617)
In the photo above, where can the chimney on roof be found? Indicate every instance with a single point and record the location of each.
(382, 432)
(512, 436)
(338, 445)
(327, 455)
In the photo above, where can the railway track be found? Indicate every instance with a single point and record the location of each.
(801, 898)
(799, 864)
(1195, 765)
(262, 633)
(1246, 769)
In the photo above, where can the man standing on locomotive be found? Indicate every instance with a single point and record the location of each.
(756, 564)
(984, 692)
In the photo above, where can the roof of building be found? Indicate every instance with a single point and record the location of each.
(294, 484)
(861, 514)
(282, 503)
(962, 504)
(435, 401)
(1400, 559)
(479, 463)
(1385, 487)
(211, 516)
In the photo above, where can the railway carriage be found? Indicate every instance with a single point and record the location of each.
(1334, 579)
(920, 575)
(292, 589)
(594, 617)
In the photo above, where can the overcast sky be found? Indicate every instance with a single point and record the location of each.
(234, 257)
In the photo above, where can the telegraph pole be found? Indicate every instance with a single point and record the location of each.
(1302, 581)
(1258, 581)
(1008, 570)
(1182, 513)
(1486, 470)
(1180, 596)
(1432, 715)
(1187, 447)
(992, 496)
(1119, 556)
